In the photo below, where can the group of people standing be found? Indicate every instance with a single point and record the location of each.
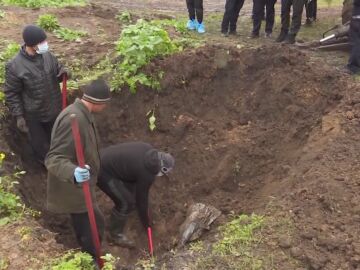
(262, 10)
(124, 172)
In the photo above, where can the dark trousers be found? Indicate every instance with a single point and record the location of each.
(231, 15)
(258, 15)
(81, 225)
(311, 9)
(122, 194)
(298, 6)
(196, 10)
(354, 60)
(40, 136)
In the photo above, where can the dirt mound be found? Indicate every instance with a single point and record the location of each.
(238, 123)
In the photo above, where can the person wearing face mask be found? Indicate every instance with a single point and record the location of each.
(65, 177)
(32, 89)
(127, 172)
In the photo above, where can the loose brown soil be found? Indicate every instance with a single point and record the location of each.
(247, 127)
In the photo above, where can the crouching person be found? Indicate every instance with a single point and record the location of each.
(64, 190)
(127, 173)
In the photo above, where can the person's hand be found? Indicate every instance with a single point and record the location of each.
(63, 71)
(82, 174)
(21, 124)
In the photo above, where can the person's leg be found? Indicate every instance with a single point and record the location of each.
(124, 204)
(285, 19)
(270, 16)
(258, 9)
(229, 6)
(81, 225)
(236, 11)
(191, 8)
(354, 60)
(298, 7)
(39, 138)
(199, 9)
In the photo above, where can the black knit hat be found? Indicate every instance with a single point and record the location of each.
(33, 35)
(97, 92)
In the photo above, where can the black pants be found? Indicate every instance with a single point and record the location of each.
(81, 225)
(311, 9)
(258, 15)
(231, 15)
(196, 10)
(354, 60)
(298, 6)
(122, 194)
(40, 136)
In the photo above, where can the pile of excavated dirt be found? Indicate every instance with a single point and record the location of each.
(246, 127)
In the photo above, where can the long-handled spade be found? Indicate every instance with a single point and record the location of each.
(86, 189)
(150, 239)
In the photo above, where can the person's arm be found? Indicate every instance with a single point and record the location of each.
(12, 90)
(59, 161)
(142, 196)
(60, 69)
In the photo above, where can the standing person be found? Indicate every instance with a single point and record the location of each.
(289, 35)
(196, 15)
(311, 10)
(354, 60)
(127, 172)
(32, 89)
(231, 15)
(258, 15)
(64, 192)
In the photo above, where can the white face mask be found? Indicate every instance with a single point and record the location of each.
(42, 48)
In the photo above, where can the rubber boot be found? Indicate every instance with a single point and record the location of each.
(282, 36)
(117, 225)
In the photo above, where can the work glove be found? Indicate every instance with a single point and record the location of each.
(82, 174)
(63, 71)
(21, 124)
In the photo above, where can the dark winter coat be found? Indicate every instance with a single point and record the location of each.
(32, 87)
(134, 163)
(63, 194)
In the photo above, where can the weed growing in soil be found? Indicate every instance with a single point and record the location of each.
(137, 46)
(9, 52)
(48, 22)
(124, 17)
(146, 264)
(43, 3)
(73, 260)
(197, 246)
(2, 15)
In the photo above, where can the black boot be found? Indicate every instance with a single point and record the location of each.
(282, 36)
(117, 225)
(290, 39)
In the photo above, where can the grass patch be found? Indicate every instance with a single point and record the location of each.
(48, 22)
(43, 3)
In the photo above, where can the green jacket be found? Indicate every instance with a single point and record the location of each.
(63, 194)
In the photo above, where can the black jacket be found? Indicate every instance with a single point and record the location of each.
(134, 162)
(31, 86)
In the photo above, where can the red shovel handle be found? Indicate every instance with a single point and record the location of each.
(151, 248)
(64, 91)
(86, 189)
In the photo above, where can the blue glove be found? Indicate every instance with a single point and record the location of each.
(82, 174)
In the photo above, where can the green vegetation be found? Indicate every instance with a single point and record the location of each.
(137, 46)
(197, 246)
(124, 17)
(73, 260)
(146, 264)
(43, 3)
(69, 34)
(11, 207)
(2, 15)
(48, 22)
(10, 50)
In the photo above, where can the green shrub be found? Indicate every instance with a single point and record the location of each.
(48, 22)
(69, 34)
(10, 51)
(43, 3)
(137, 46)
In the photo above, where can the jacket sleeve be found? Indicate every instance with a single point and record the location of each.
(13, 88)
(142, 198)
(59, 160)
